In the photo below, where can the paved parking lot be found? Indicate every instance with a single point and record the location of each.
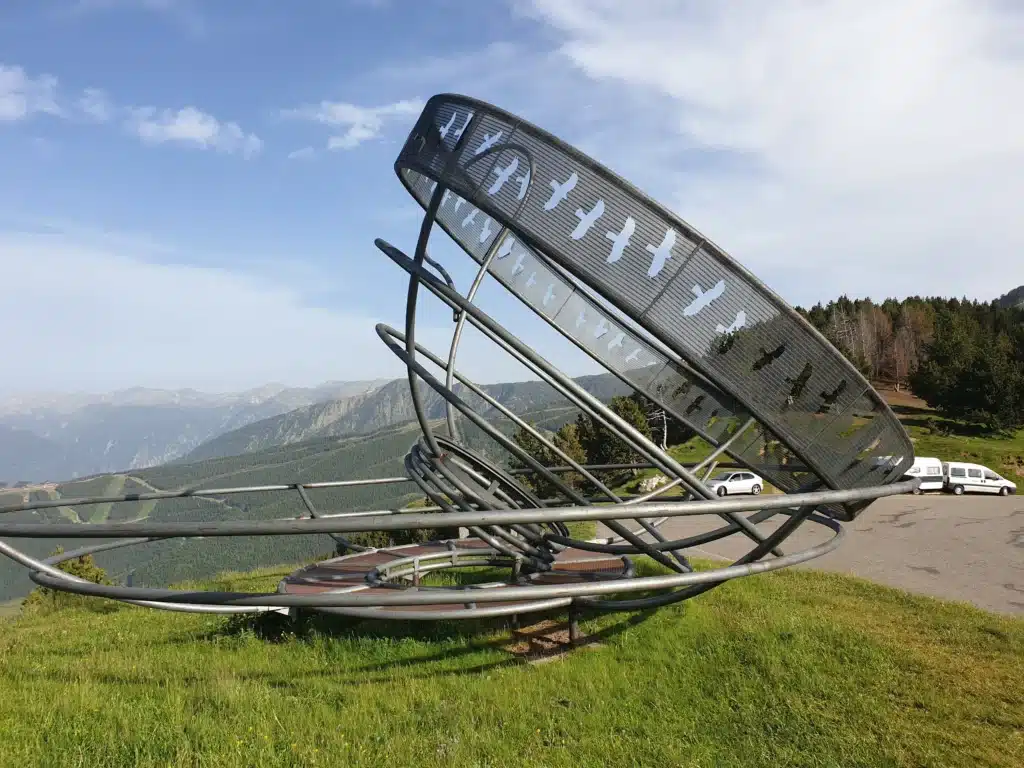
(968, 548)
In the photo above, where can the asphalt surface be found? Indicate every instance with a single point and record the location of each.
(968, 548)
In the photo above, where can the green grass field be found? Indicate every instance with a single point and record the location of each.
(950, 440)
(794, 669)
(1003, 454)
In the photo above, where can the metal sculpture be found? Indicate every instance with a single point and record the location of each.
(643, 294)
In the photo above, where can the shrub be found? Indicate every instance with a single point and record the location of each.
(46, 600)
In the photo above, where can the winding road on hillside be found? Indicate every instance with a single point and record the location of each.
(967, 548)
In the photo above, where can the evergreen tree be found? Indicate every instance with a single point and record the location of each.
(567, 440)
(602, 446)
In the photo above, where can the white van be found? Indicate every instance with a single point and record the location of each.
(961, 477)
(929, 470)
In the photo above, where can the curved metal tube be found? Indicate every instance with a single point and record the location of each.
(460, 320)
(510, 526)
(581, 397)
(417, 597)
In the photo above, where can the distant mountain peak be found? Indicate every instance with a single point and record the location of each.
(1014, 298)
(61, 435)
(387, 406)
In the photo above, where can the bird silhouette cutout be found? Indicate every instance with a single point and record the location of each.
(503, 174)
(532, 279)
(617, 341)
(767, 358)
(417, 142)
(485, 231)
(587, 219)
(560, 191)
(704, 299)
(488, 142)
(682, 389)
(443, 130)
(696, 404)
(735, 325)
(633, 356)
(828, 399)
(458, 133)
(505, 249)
(620, 239)
(661, 254)
(799, 383)
(518, 266)
(851, 466)
(470, 218)
(581, 318)
(602, 328)
(661, 387)
(549, 295)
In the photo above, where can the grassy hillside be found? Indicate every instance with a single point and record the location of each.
(380, 454)
(950, 440)
(162, 562)
(795, 668)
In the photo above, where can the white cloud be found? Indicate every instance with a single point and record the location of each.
(360, 124)
(869, 148)
(94, 312)
(193, 127)
(95, 105)
(95, 316)
(302, 154)
(22, 96)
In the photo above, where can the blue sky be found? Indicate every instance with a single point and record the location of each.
(191, 188)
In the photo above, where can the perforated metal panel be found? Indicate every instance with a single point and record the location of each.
(822, 424)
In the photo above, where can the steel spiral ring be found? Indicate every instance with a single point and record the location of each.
(645, 296)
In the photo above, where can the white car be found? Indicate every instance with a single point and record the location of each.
(961, 477)
(737, 483)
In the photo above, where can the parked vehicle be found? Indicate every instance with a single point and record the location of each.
(737, 483)
(960, 477)
(930, 471)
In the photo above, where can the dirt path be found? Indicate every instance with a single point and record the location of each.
(154, 489)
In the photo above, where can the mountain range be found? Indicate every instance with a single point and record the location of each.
(390, 405)
(54, 438)
(64, 436)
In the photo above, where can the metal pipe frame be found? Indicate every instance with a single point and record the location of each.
(516, 529)
(45, 574)
(413, 596)
(569, 388)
